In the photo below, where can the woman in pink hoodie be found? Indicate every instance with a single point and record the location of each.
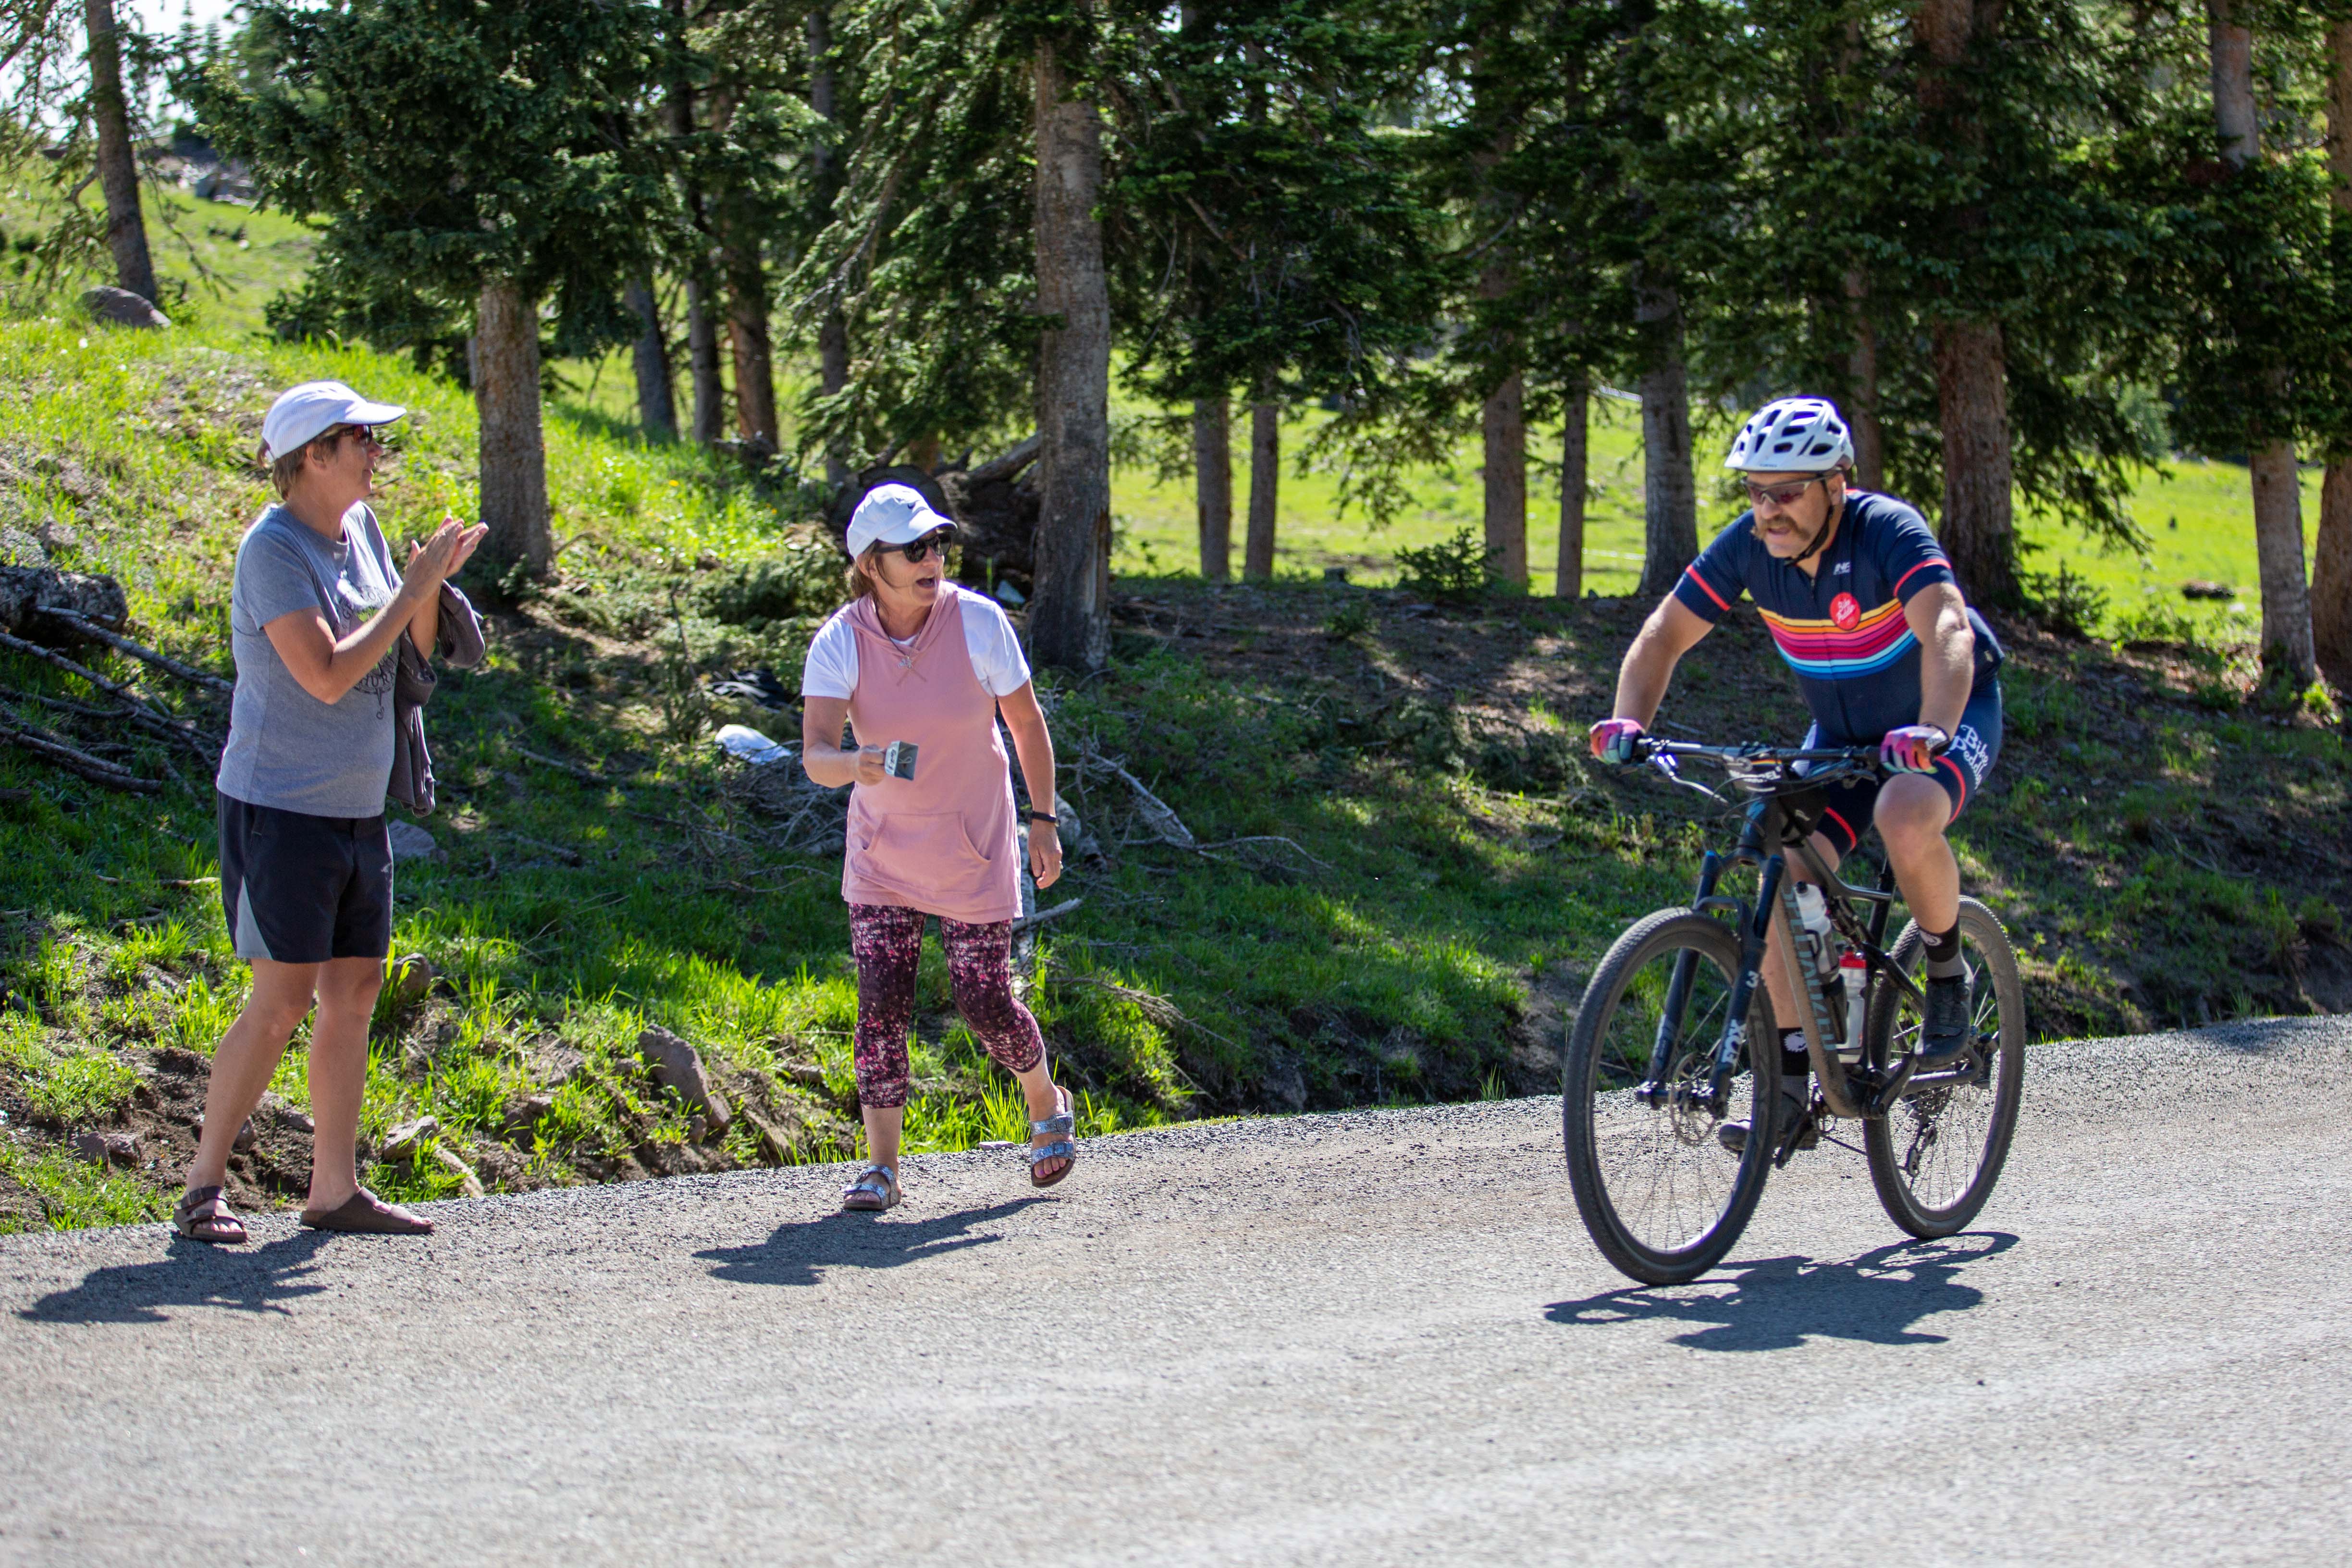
(917, 660)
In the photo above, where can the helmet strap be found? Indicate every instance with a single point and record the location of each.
(1829, 520)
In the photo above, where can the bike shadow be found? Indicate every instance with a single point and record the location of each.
(1777, 1303)
(260, 1278)
(799, 1251)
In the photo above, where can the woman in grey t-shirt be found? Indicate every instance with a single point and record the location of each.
(315, 617)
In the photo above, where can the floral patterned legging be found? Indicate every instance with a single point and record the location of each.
(887, 941)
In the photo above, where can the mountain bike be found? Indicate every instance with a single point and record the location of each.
(1676, 1035)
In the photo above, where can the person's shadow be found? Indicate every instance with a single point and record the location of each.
(1775, 1304)
(196, 1274)
(798, 1251)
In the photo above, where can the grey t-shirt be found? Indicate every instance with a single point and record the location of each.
(286, 747)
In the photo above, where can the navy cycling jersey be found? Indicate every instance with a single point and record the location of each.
(1841, 630)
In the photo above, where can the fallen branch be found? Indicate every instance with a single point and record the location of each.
(89, 628)
(181, 732)
(79, 763)
(1158, 815)
(113, 689)
(1029, 923)
(585, 775)
(568, 857)
(1151, 1005)
(1266, 838)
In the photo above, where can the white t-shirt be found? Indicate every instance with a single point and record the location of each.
(988, 638)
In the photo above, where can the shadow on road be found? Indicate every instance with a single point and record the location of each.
(1779, 1302)
(240, 1278)
(797, 1251)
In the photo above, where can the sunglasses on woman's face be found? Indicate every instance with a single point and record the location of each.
(918, 550)
(1781, 495)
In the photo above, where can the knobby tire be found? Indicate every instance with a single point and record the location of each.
(1650, 1146)
(1974, 1122)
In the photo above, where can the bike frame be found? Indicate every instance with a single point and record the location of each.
(1868, 1090)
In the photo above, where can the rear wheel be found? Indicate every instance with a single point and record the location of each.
(1935, 1157)
(1663, 1198)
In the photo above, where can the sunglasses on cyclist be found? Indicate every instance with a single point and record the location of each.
(920, 549)
(1780, 495)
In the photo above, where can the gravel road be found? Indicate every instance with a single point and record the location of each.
(1358, 1339)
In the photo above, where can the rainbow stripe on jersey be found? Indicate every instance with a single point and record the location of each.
(1821, 650)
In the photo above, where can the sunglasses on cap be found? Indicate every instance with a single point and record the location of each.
(1780, 495)
(920, 549)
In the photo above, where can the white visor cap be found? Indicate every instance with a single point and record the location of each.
(303, 414)
(892, 514)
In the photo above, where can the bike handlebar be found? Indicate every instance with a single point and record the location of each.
(1650, 746)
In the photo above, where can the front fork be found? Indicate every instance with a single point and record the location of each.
(1655, 1088)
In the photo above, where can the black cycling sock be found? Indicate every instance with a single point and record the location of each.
(1943, 954)
(1796, 1066)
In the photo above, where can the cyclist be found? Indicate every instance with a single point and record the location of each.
(1862, 602)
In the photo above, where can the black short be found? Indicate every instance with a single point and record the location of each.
(1960, 769)
(303, 889)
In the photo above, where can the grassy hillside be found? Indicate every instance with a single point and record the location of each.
(1403, 869)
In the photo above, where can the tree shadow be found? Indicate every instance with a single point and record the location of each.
(1779, 1302)
(797, 1253)
(241, 1279)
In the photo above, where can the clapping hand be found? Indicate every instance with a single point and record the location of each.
(445, 554)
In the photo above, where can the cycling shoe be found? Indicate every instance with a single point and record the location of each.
(1944, 1033)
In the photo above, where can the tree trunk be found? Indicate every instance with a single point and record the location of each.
(1576, 413)
(2287, 641)
(117, 167)
(1862, 383)
(656, 404)
(2331, 573)
(1069, 614)
(709, 392)
(2278, 557)
(513, 460)
(2232, 47)
(1503, 418)
(1504, 426)
(1669, 491)
(1213, 484)
(2331, 578)
(1266, 483)
(832, 332)
(1979, 526)
(747, 340)
(702, 364)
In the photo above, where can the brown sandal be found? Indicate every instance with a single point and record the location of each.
(365, 1214)
(203, 1214)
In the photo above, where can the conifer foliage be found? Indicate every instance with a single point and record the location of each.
(2027, 245)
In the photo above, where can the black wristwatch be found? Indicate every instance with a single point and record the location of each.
(1042, 816)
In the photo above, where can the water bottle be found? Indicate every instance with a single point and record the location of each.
(1813, 915)
(1853, 972)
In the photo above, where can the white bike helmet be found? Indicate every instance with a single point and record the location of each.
(1791, 436)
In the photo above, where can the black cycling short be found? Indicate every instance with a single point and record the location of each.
(1960, 768)
(301, 889)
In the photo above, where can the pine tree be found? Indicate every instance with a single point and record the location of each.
(464, 159)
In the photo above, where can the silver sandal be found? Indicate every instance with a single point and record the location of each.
(876, 1189)
(1060, 1125)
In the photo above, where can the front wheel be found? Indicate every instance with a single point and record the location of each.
(1662, 1196)
(1935, 1156)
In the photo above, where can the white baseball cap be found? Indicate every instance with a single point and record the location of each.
(303, 414)
(892, 514)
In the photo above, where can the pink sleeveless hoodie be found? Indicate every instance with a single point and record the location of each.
(943, 841)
